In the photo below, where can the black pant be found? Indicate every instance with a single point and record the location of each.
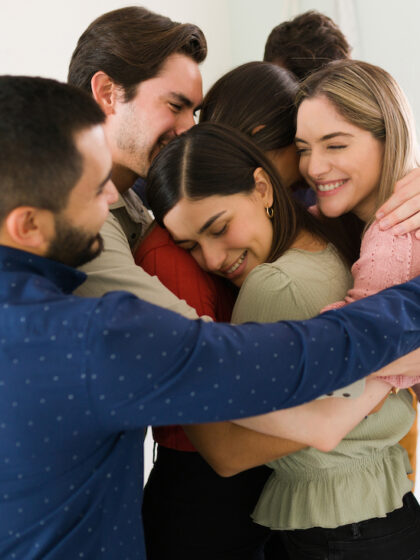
(191, 513)
(394, 537)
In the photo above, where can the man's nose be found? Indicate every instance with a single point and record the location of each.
(185, 122)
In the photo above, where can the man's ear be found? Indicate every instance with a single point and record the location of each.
(104, 91)
(263, 186)
(30, 228)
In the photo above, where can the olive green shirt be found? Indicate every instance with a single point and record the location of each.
(365, 476)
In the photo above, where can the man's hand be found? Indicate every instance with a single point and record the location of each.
(402, 210)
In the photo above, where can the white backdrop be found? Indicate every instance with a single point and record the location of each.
(37, 37)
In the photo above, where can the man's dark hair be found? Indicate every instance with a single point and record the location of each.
(39, 162)
(306, 43)
(131, 45)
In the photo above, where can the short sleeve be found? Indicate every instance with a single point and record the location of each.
(268, 295)
(115, 269)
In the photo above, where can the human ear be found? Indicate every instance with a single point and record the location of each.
(30, 228)
(263, 186)
(104, 91)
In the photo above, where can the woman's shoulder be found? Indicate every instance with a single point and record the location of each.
(301, 267)
(295, 286)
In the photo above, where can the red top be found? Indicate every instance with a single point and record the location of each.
(207, 294)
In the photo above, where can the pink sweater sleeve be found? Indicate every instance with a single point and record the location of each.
(385, 260)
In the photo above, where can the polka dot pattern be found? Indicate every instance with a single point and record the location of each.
(80, 378)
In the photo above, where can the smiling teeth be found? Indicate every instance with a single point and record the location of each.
(330, 186)
(237, 264)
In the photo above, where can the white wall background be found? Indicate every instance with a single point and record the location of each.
(37, 37)
(383, 32)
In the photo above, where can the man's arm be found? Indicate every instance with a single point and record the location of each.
(115, 269)
(158, 368)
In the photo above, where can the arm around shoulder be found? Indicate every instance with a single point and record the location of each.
(114, 269)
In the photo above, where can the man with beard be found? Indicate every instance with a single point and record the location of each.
(142, 70)
(81, 377)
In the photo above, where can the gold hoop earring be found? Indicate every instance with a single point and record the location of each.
(270, 212)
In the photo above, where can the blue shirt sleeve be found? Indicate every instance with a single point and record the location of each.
(152, 366)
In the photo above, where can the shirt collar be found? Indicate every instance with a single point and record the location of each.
(118, 204)
(64, 277)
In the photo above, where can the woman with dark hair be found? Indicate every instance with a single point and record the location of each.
(257, 98)
(180, 476)
(216, 511)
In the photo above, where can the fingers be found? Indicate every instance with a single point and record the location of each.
(402, 210)
(405, 219)
(405, 189)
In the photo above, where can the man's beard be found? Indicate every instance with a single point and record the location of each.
(73, 246)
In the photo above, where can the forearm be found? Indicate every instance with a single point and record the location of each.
(322, 423)
(114, 269)
(230, 449)
(406, 365)
(212, 372)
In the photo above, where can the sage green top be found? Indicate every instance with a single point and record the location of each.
(365, 476)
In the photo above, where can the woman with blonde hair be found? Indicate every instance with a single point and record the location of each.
(356, 139)
(343, 108)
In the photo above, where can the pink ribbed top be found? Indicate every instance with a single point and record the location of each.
(385, 260)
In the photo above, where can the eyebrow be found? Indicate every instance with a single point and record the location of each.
(326, 137)
(209, 222)
(102, 183)
(182, 99)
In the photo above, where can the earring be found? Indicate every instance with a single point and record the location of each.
(270, 212)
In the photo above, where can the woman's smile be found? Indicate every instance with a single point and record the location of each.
(227, 235)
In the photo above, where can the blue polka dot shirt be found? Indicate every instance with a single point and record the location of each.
(80, 378)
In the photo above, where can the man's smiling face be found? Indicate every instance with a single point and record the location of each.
(162, 108)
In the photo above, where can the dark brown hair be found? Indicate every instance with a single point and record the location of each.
(130, 45)
(256, 98)
(213, 159)
(39, 162)
(306, 43)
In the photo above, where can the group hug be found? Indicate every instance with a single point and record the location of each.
(240, 271)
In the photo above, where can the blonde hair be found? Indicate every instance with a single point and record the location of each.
(368, 97)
